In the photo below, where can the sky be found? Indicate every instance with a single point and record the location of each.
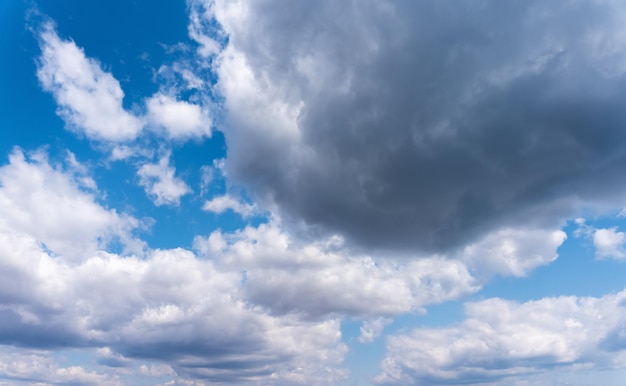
(263, 192)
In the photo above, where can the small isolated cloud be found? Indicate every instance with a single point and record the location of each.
(221, 204)
(513, 252)
(501, 339)
(609, 243)
(179, 119)
(160, 183)
(370, 330)
(89, 99)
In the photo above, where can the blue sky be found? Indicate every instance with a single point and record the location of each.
(284, 193)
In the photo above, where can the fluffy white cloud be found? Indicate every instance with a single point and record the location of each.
(221, 204)
(160, 182)
(59, 207)
(513, 252)
(89, 99)
(165, 306)
(322, 278)
(169, 307)
(180, 119)
(501, 339)
(609, 243)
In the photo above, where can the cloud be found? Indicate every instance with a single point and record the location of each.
(60, 290)
(609, 242)
(90, 99)
(38, 367)
(168, 307)
(160, 183)
(412, 126)
(370, 330)
(221, 204)
(501, 339)
(59, 207)
(513, 252)
(180, 119)
(201, 30)
(321, 279)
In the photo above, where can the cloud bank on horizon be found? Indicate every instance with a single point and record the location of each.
(269, 192)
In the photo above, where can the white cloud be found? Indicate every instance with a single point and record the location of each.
(160, 183)
(35, 367)
(169, 306)
(501, 339)
(200, 13)
(321, 278)
(370, 330)
(59, 208)
(609, 243)
(180, 119)
(513, 252)
(89, 99)
(221, 204)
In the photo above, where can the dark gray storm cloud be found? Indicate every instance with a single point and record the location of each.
(424, 124)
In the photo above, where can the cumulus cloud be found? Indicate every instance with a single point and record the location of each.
(169, 307)
(221, 204)
(609, 242)
(38, 367)
(322, 278)
(501, 339)
(179, 119)
(59, 207)
(160, 182)
(513, 252)
(89, 99)
(423, 125)
(163, 306)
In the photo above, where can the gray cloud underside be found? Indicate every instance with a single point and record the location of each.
(424, 124)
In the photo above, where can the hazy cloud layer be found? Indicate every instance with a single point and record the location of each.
(424, 124)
